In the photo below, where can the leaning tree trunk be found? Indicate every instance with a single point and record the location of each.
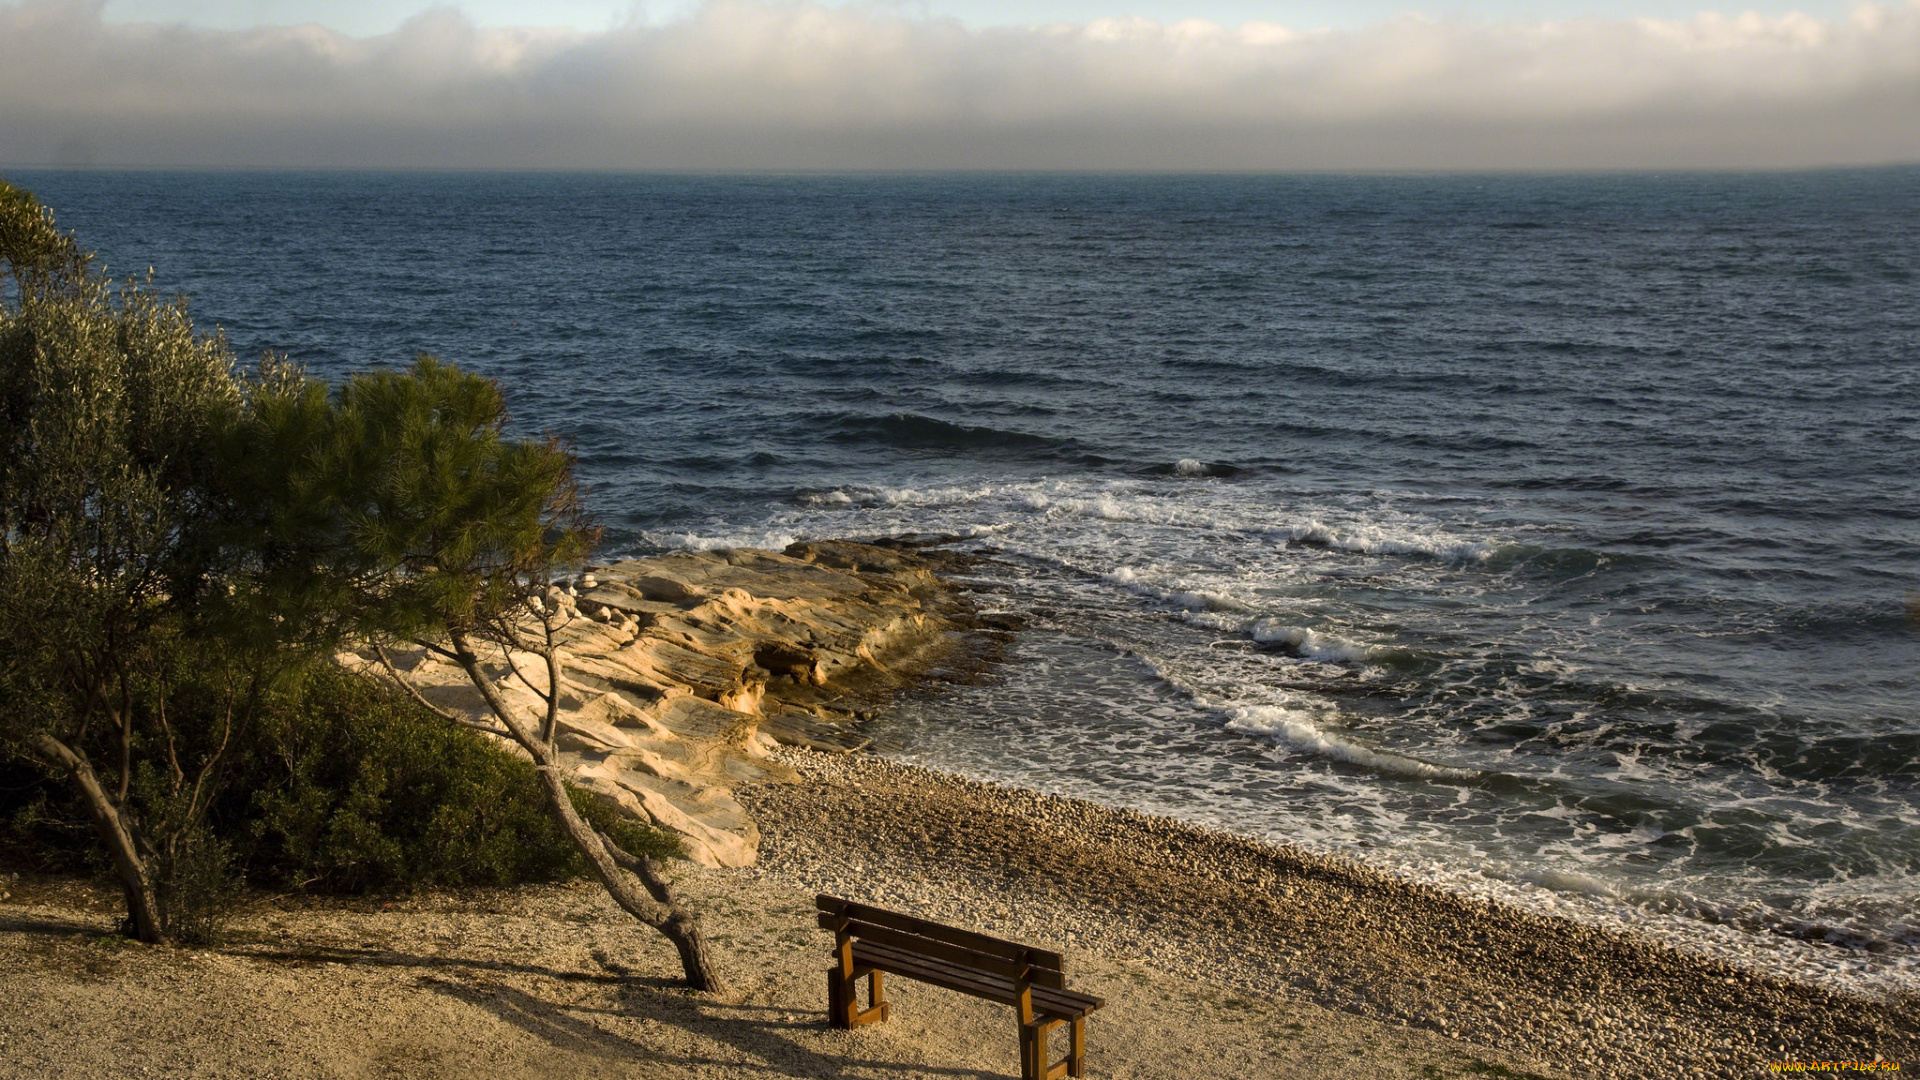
(658, 910)
(143, 907)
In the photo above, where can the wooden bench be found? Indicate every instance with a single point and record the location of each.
(870, 940)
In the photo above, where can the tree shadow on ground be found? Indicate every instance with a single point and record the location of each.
(762, 1037)
(764, 1040)
(54, 927)
(335, 954)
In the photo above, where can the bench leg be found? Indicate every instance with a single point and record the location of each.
(877, 1006)
(1077, 1047)
(843, 999)
(1034, 1063)
(840, 1007)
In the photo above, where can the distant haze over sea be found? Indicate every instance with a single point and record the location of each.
(1547, 537)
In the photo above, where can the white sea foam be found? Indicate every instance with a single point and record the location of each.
(1205, 600)
(1569, 881)
(1225, 622)
(1312, 644)
(1296, 728)
(1148, 584)
(1190, 467)
(938, 496)
(1128, 507)
(897, 496)
(687, 541)
(1373, 539)
(1110, 508)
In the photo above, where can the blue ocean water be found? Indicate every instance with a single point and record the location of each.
(1551, 537)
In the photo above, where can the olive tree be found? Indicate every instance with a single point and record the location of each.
(110, 406)
(394, 509)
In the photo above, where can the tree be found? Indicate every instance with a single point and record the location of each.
(110, 406)
(395, 510)
(155, 509)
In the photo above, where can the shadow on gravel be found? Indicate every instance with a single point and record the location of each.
(322, 954)
(762, 1037)
(19, 924)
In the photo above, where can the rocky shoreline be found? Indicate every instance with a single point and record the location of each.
(720, 694)
(680, 673)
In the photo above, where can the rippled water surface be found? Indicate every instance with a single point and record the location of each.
(1552, 537)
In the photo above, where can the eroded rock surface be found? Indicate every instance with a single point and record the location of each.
(679, 673)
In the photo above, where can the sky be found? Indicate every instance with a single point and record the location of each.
(1110, 85)
(363, 19)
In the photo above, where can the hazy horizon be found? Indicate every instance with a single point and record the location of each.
(753, 86)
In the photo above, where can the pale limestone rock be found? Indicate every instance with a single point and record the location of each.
(686, 669)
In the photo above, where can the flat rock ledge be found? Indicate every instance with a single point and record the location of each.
(679, 674)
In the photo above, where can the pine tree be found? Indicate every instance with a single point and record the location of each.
(397, 508)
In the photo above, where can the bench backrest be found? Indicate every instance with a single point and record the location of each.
(947, 944)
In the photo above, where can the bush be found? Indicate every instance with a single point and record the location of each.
(365, 790)
(42, 829)
(337, 784)
(198, 885)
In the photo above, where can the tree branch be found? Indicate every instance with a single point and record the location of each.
(506, 653)
(414, 693)
(206, 770)
(643, 869)
(553, 677)
(126, 725)
(470, 663)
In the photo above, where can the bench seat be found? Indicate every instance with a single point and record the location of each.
(1064, 1004)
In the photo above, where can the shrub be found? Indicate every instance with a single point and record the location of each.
(358, 788)
(336, 784)
(199, 888)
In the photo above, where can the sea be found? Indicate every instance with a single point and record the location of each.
(1549, 538)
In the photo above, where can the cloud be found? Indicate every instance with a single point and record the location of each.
(750, 84)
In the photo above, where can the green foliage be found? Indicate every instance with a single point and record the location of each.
(178, 546)
(368, 791)
(32, 248)
(39, 828)
(357, 788)
(198, 885)
(347, 786)
(396, 503)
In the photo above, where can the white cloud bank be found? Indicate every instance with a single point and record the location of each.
(750, 84)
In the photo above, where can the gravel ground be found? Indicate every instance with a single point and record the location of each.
(556, 983)
(1217, 957)
(1291, 926)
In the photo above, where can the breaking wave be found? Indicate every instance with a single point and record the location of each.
(1312, 644)
(1144, 584)
(1296, 730)
(1378, 540)
(1192, 467)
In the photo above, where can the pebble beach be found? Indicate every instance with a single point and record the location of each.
(1217, 955)
(1290, 925)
